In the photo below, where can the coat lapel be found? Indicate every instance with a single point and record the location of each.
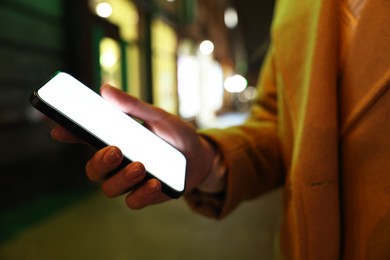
(367, 71)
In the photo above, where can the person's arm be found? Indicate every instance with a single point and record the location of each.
(250, 153)
(198, 152)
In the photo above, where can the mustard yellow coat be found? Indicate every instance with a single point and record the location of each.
(323, 134)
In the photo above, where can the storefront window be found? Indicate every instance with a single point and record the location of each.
(200, 84)
(211, 85)
(125, 72)
(188, 77)
(164, 44)
(110, 62)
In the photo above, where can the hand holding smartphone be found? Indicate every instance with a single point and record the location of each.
(90, 117)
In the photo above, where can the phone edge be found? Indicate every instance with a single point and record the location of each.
(83, 134)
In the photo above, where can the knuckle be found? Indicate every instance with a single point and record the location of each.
(92, 171)
(107, 190)
(134, 204)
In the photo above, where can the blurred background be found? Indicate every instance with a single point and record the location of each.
(198, 59)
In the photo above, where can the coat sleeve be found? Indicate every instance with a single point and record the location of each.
(251, 152)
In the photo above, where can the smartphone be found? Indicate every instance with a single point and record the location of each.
(89, 116)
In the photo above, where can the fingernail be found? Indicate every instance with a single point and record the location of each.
(54, 133)
(152, 188)
(134, 172)
(112, 155)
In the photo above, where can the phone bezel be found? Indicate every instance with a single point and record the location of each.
(90, 138)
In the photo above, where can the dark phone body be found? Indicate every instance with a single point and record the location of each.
(90, 137)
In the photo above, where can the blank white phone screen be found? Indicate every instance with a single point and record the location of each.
(89, 110)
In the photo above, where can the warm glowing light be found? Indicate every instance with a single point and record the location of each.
(108, 59)
(206, 47)
(231, 18)
(235, 84)
(110, 53)
(104, 10)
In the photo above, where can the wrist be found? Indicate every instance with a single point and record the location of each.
(214, 180)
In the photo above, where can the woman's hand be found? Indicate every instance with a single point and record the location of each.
(178, 133)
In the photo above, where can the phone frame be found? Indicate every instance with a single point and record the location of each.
(89, 137)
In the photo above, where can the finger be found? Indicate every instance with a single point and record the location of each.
(131, 105)
(61, 134)
(153, 117)
(103, 162)
(124, 180)
(147, 194)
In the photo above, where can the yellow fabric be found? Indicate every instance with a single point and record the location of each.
(324, 136)
(350, 11)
